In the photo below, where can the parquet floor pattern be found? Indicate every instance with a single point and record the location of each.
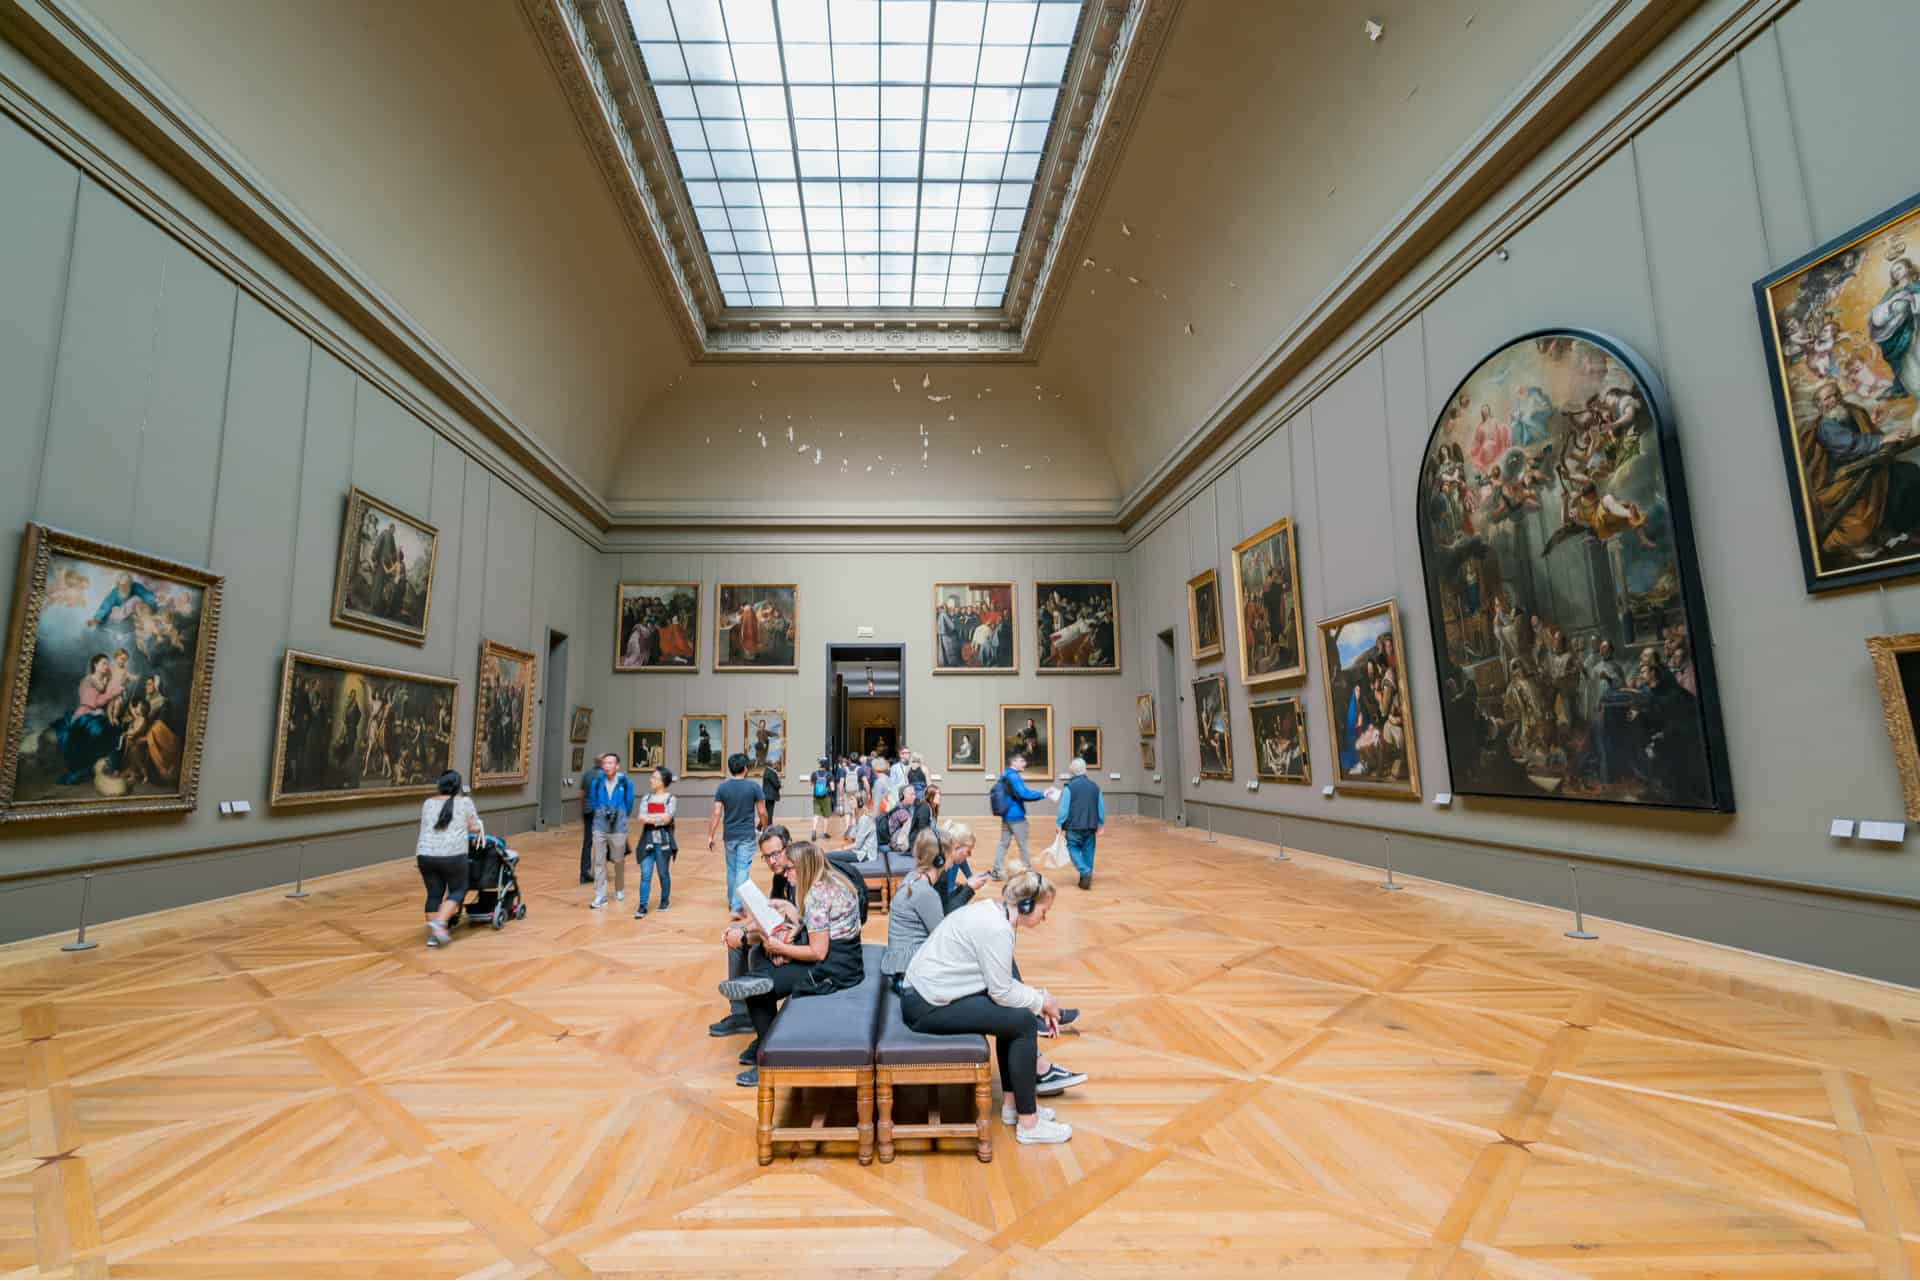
(1292, 1074)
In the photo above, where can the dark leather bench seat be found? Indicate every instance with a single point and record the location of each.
(899, 1044)
(831, 1031)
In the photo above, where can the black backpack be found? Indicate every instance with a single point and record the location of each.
(849, 867)
(999, 798)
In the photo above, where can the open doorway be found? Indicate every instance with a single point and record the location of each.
(866, 699)
(553, 734)
(1172, 724)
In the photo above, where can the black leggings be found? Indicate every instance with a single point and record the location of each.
(1015, 1033)
(446, 878)
(828, 975)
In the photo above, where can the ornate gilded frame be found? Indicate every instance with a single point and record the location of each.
(719, 610)
(1113, 589)
(1410, 788)
(281, 800)
(1226, 703)
(1886, 652)
(979, 765)
(1013, 624)
(1000, 730)
(1149, 756)
(746, 734)
(720, 770)
(633, 740)
(580, 725)
(1099, 745)
(1299, 719)
(1143, 713)
(489, 648)
(619, 641)
(1203, 653)
(357, 501)
(1283, 526)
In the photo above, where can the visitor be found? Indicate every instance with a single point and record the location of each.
(739, 810)
(741, 934)
(610, 801)
(957, 882)
(1083, 817)
(1013, 817)
(822, 780)
(919, 813)
(448, 822)
(658, 846)
(917, 773)
(863, 836)
(770, 788)
(586, 831)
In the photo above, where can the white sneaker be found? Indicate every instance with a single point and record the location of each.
(620, 896)
(1009, 1117)
(598, 903)
(1043, 1131)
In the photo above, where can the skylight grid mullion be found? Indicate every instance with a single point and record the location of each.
(920, 176)
(793, 138)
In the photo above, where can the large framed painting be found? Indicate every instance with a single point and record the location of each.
(756, 627)
(108, 674)
(1363, 670)
(1280, 741)
(1266, 602)
(1143, 712)
(973, 630)
(1896, 670)
(1087, 743)
(703, 746)
(580, 724)
(355, 732)
(766, 741)
(384, 581)
(646, 749)
(658, 629)
(1841, 328)
(1213, 722)
(503, 717)
(1027, 729)
(966, 748)
(1569, 629)
(1203, 616)
(1079, 625)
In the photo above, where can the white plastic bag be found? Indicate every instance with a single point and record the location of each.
(1055, 855)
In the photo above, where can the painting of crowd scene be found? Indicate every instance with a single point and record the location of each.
(659, 627)
(385, 578)
(1079, 625)
(1280, 741)
(109, 671)
(757, 627)
(1266, 595)
(973, 628)
(1561, 585)
(503, 717)
(352, 732)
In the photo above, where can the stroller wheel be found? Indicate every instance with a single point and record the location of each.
(499, 917)
(519, 911)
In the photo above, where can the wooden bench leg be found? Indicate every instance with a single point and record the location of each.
(766, 1119)
(863, 1104)
(983, 1113)
(883, 1079)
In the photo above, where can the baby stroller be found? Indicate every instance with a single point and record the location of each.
(493, 883)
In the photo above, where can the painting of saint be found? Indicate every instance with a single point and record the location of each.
(1143, 711)
(1087, 742)
(109, 669)
(1027, 730)
(1280, 741)
(965, 747)
(384, 581)
(766, 742)
(354, 732)
(973, 629)
(1363, 670)
(503, 717)
(1569, 631)
(1213, 723)
(757, 627)
(658, 628)
(1203, 616)
(1266, 597)
(1078, 625)
(1840, 328)
(703, 746)
(646, 749)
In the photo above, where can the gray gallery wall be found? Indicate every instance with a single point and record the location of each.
(1773, 153)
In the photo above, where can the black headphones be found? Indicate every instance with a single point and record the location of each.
(1026, 904)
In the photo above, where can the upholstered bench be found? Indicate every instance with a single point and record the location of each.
(903, 1056)
(883, 871)
(824, 1041)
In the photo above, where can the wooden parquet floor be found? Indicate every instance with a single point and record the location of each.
(1292, 1073)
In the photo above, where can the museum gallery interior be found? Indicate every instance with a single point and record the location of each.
(1283, 637)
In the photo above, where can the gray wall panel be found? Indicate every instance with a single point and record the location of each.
(38, 199)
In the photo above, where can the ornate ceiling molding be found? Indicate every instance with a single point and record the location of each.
(590, 46)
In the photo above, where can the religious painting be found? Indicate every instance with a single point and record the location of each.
(1896, 670)
(579, 759)
(1087, 742)
(1363, 670)
(876, 740)
(766, 742)
(1079, 625)
(646, 749)
(1841, 327)
(580, 724)
(503, 717)
(966, 748)
(973, 629)
(1213, 719)
(703, 746)
(658, 629)
(384, 581)
(1143, 710)
(109, 670)
(1203, 616)
(1148, 759)
(1569, 630)
(1266, 598)
(1026, 729)
(355, 732)
(1280, 741)
(756, 627)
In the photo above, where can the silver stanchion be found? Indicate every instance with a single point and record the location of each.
(1389, 884)
(1209, 824)
(1280, 829)
(299, 871)
(80, 943)
(1579, 930)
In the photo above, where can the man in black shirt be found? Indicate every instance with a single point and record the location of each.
(740, 810)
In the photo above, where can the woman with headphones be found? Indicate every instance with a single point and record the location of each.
(962, 980)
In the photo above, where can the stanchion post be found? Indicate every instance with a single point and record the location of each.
(1389, 883)
(299, 871)
(1280, 830)
(1209, 824)
(80, 943)
(1579, 930)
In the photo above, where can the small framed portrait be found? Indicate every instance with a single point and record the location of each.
(1087, 744)
(1143, 710)
(973, 630)
(1078, 625)
(703, 746)
(1896, 670)
(1280, 741)
(503, 717)
(384, 581)
(1026, 729)
(580, 725)
(646, 749)
(756, 627)
(658, 627)
(766, 742)
(579, 759)
(1149, 759)
(1203, 616)
(1213, 720)
(966, 748)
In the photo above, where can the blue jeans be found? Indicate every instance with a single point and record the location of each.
(1080, 850)
(650, 857)
(739, 863)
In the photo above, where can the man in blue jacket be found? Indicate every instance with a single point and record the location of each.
(1083, 816)
(610, 805)
(1013, 823)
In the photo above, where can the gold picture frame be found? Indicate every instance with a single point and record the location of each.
(1002, 597)
(1272, 762)
(715, 763)
(770, 651)
(1213, 726)
(656, 659)
(1371, 622)
(363, 605)
(1203, 612)
(1270, 545)
(486, 703)
(348, 746)
(774, 753)
(1083, 596)
(1143, 713)
(646, 749)
(1899, 682)
(1075, 736)
(1149, 757)
(579, 759)
(977, 764)
(1039, 745)
(580, 725)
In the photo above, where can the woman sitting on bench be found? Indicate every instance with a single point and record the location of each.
(962, 980)
(956, 882)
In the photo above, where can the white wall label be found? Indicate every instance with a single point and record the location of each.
(1327, 790)
(1114, 777)
(1196, 780)
(1875, 831)
(1253, 785)
(1841, 827)
(1443, 799)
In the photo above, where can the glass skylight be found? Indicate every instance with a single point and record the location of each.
(858, 153)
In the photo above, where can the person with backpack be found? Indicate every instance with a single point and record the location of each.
(770, 788)
(1083, 816)
(822, 780)
(1008, 801)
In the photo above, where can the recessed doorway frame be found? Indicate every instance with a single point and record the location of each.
(862, 652)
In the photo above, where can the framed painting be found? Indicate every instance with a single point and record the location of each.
(703, 746)
(966, 748)
(877, 740)
(765, 742)
(1203, 616)
(1266, 603)
(1569, 627)
(108, 674)
(1213, 721)
(384, 580)
(1363, 671)
(1839, 327)
(580, 724)
(1149, 759)
(646, 749)
(1280, 741)
(1078, 625)
(355, 732)
(579, 759)
(658, 628)
(1896, 670)
(756, 627)
(1087, 743)
(973, 630)
(1143, 711)
(1026, 729)
(503, 717)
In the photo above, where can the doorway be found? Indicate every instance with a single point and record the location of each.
(1171, 716)
(866, 699)
(553, 734)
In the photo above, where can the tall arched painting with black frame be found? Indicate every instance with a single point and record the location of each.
(1569, 627)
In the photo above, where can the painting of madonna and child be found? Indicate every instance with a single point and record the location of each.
(1569, 630)
(109, 669)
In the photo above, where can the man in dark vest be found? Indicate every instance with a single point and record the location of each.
(1083, 816)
